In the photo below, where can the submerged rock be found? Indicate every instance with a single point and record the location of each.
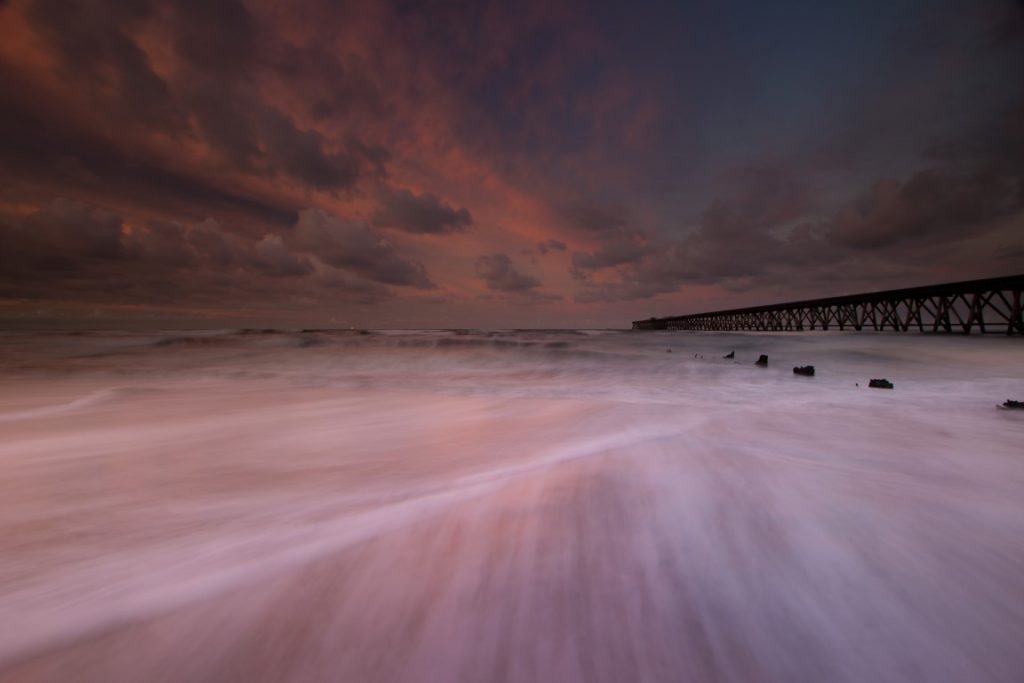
(880, 384)
(805, 370)
(762, 360)
(731, 354)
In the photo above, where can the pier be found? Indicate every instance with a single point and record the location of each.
(989, 306)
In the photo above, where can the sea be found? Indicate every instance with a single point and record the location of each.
(510, 505)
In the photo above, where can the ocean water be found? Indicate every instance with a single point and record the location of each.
(510, 506)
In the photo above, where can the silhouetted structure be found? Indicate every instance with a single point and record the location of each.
(989, 306)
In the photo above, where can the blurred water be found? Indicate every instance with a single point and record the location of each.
(513, 505)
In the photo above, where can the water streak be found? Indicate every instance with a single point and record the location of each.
(513, 505)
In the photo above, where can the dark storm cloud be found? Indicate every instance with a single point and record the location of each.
(735, 237)
(300, 154)
(624, 290)
(217, 43)
(95, 237)
(161, 243)
(621, 242)
(974, 184)
(56, 242)
(742, 234)
(261, 139)
(361, 290)
(728, 146)
(551, 245)
(216, 35)
(53, 151)
(69, 250)
(739, 235)
(931, 206)
(72, 229)
(224, 113)
(332, 86)
(93, 43)
(596, 218)
(610, 255)
(500, 274)
(271, 256)
(750, 239)
(220, 248)
(354, 246)
(424, 214)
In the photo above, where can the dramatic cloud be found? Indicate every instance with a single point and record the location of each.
(932, 205)
(609, 255)
(261, 139)
(424, 214)
(751, 238)
(596, 218)
(301, 154)
(161, 243)
(354, 246)
(500, 274)
(217, 45)
(84, 251)
(273, 257)
(551, 245)
(621, 242)
(64, 228)
(239, 155)
(222, 249)
(93, 42)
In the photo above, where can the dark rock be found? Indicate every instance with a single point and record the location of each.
(668, 350)
(880, 384)
(762, 360)
(731, 354)
(805, 370)
(1016, 405)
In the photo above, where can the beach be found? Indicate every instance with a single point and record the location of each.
(473, 505)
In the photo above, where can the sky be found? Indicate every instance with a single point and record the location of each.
(532, 163)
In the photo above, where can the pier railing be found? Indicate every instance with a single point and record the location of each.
(990, 306)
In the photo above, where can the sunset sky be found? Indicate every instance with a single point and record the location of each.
(230, 163)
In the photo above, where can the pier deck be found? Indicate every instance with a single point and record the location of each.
(989, 306)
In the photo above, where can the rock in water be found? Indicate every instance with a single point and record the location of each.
(762, 360)
(880, 384)
(1016, 405)
(805, 370)
(731, 354)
